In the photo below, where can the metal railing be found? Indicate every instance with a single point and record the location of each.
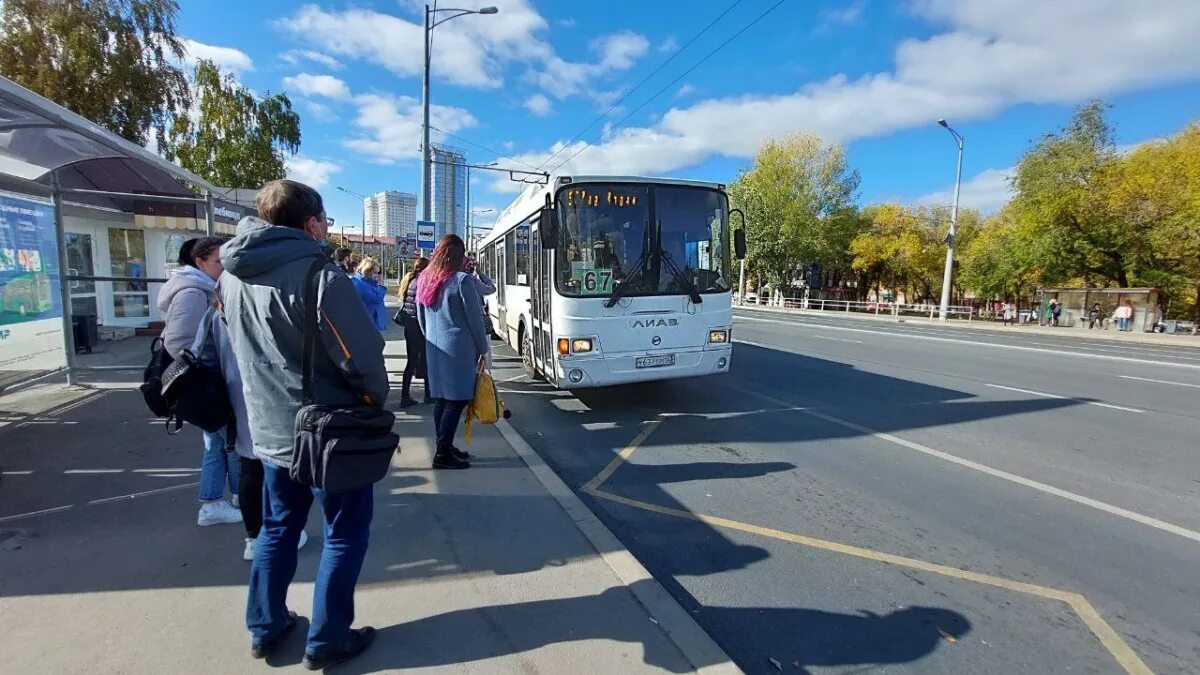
(893, 309)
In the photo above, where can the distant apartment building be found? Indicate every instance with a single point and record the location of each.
(391, 214)
(449, 190)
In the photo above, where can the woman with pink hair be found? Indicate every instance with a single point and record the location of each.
(448, 310)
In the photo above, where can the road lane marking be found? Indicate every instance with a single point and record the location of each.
(43, 512)
(973, 343)
(1140, 351)
(827, 337)
(1108, 637)
(625, 453)
(135, 495)
(991, 471)
(93, 471)
(15, 473)
(1065, 398)
(1147, 379)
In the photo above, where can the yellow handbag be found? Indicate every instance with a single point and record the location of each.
(486, 406)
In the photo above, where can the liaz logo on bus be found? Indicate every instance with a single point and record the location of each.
(654, 323)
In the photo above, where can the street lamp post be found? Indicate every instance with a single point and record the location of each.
(468, 209)
(364, 217)
(471, 226)
(426, 151)
(947, 275)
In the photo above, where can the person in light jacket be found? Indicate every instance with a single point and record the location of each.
(185, 299)
(366, 284)
(449, 311)
(267, 268)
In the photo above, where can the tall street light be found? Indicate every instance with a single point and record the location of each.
(471, 225)
(468, 209)
(431, 22)
(944, 308)
(364, 218)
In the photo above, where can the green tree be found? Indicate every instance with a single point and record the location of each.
(798, 200)
(904, 248)
(1002, 261)
(1061, 195)
(111, 61)
(237, 139)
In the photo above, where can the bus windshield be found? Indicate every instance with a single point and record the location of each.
(610, 237)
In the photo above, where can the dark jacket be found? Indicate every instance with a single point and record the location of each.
(263, 294)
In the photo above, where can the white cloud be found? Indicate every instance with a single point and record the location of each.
(472, 51)
(313, 172)
(989, 57)
(320, 111)
(539, 105)
(985, 192)
(389, 127)
(846, 15)
(317, 85)
(685, 90)
(295, 56)
(228, 59)
(669, 45)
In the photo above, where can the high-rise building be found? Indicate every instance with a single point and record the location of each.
(449, 190)
(391, 214)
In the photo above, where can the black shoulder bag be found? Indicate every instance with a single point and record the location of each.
(151, 386)
(196, 393)
(337, 448)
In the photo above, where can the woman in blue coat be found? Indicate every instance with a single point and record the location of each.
(448, 310)
(366, 282)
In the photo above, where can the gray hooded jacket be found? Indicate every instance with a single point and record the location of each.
(184, 299)
(263, 295)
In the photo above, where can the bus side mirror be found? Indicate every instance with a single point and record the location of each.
(547, 226)
(739, 236)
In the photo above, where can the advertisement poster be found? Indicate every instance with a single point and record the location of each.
(406, 247)
(30, 312)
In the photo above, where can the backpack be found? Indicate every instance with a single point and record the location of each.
(151, 387)
(196, 393)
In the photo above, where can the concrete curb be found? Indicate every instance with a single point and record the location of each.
(959, 324)
(687, 635)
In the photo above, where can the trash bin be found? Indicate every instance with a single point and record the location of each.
(86, 333)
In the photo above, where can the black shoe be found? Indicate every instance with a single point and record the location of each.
(428, 400)
(408, 402)
(446, 459)
(460, 454)
(357, 643)
(263, 649)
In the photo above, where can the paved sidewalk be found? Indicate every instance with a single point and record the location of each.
(1179, 340)
(470, 571)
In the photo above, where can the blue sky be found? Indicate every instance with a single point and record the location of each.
(872, 74)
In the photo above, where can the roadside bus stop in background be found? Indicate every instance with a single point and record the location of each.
(1077, 302)
(53, 161)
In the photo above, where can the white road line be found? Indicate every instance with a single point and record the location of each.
(93, 471)
(826, 337)
(135, 495)
(996, 473)
(1068, 398)
(173, 470)
(37, 513)
(1140, 351)
(975, 343)
(1147, 379)
(15, 473)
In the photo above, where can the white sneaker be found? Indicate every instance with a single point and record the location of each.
(236, 503)
(303, 540)
(216, 512)
(248, 554)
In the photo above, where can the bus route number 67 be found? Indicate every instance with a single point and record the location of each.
(597, 281)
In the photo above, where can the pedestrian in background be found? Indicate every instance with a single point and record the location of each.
(1055, 312)
(268, 266)
(485, 287)
(1095, 316)
(341, 258)
(414, 339)
(366, 280)
(1156, 319)
(448, 309)
(1009, 311)
(184, 300)
(1124, 315)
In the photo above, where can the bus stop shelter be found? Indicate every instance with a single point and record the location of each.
(50, 158)
(1077, 302)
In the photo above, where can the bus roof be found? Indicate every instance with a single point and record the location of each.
(534, 196)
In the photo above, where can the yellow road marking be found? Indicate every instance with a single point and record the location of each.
(1108, 637)
(626, 453)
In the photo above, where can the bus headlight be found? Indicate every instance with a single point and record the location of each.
(581, 345)
(720, 336)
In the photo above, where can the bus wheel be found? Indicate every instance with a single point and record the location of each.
(526, 342)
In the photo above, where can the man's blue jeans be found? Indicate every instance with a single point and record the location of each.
(218, 468)
(347, 528)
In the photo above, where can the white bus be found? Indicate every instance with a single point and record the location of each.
(604, 280)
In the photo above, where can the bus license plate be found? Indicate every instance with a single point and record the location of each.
(655, 361)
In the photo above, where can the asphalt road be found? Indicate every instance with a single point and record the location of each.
(862, 497)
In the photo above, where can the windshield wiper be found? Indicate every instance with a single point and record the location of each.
(681, 277)
(619, 288)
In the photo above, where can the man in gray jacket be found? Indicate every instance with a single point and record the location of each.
(266, 268)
